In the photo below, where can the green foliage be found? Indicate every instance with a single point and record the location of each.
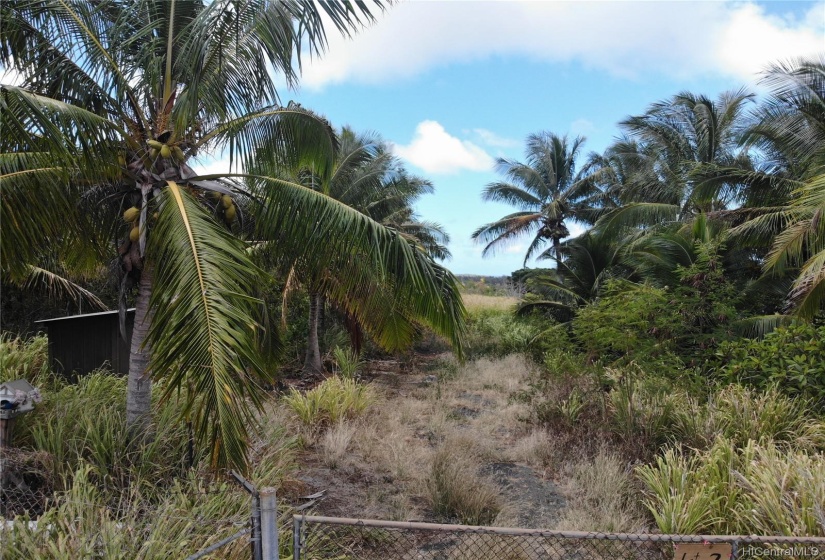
(630, 322)
(85, 424)
(706, 302)
(496, 333)
(25, 359)
(791, 358)
(755, 489)
(334, 399)
(643, 410)
(347, 362)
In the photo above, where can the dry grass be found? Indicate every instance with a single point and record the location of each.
(335, 442)
(456, 491)
(474, 302)
(419, 451)
(601, 497)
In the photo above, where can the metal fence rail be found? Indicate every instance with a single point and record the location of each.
(319, 538)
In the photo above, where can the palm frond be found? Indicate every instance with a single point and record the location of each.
(203, 333)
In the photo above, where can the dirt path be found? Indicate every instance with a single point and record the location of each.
(380, 466)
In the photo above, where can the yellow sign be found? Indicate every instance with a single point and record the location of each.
(703, 551)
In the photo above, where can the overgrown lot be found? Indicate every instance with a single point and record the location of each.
(501, 439)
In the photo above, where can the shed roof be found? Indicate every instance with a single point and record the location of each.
(83, 316)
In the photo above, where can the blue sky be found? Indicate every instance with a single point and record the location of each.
(454, 85)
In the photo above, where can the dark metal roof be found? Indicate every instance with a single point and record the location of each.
(83, 316)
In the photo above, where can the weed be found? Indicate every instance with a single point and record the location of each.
(332, 400)
(335, 442)
(347, 362)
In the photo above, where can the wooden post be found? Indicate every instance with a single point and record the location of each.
(269, 524)
(5, 442)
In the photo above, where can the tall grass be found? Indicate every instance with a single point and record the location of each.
(25, 359)
(85, 424)
(456, 491)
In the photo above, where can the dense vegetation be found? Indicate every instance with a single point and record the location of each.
(683, 332)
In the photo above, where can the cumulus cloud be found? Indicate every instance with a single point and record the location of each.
(435, 150)
(628, 39)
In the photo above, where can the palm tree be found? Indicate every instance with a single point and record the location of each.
(790, 130)
(546, 190)
(590, 260)
(666, 156)
(367, 178)
(119, 96)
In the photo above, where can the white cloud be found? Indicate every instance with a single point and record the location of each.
(10, 77)
(623, 38)
(434, 150)
(493, 140)
(753, 39)
(213, 166)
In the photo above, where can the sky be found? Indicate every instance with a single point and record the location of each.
(453, 85)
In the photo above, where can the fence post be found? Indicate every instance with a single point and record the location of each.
(296, 537)
(269, 524)
(257, 553)
(255, 539)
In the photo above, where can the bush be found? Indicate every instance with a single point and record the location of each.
(632, 322)
(497, 333)
(791, 357)
(332, 400)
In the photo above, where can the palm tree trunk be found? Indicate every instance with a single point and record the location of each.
(312, 360)
(139, 387)
(557, 251)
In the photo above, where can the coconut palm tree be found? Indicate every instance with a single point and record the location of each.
(665, 156)
(546, 190)
(790, 130)
(367, 178)
(119, 96)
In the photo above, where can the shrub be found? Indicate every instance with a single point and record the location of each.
(643, 410)
(332, 400)
(791, 357)
(755, 489)
(741, 414)
(456, 491)
(347, 362)
(496, 333)
(631, 322)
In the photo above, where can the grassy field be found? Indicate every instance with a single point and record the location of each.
(476, 302)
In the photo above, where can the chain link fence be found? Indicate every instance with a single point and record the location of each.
(25, 482)
(318, 538)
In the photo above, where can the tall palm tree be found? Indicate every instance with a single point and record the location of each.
(367, 178)
(119, 96)
(665, 157)
(790, 129)
(546, 190)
